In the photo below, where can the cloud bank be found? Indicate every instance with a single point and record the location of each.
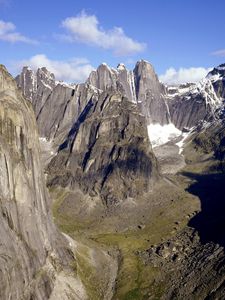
(86, 29)
(73, 70)
(8, 33)
(182, 75)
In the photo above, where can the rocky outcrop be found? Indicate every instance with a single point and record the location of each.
(217, 77)
(190, 269)
(188, 110)
(57, 105)
(34, 256)
(150, 94)
(184, 106)
(102, 133)
(107, 147)
(191, 104)
(36, 87)
(120, 79)
(140, 85)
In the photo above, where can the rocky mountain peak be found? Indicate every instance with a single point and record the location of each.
(150, 93)
(7, 83)
(144, 64)
(219, 71)
(103, 78)
(121, 67)
(146, 79)
(33, 252)
(46, 76)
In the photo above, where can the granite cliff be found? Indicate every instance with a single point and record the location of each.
(158, 209)
(36, 259)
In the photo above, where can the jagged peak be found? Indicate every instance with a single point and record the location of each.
(26, 68)
(46, 72)
(103, 65)
(144, 65)
(221, 67)
(143, 62)
(121, 67)
(3, 69)
(7, 82)
(217, 73)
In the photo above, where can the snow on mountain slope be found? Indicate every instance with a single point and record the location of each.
(160, 135)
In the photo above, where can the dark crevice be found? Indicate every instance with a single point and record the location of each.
(74, 130)
(93, 138)
(108, 170)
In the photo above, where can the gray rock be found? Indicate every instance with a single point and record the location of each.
(192, 104)
(33, 253)
(150, 94)
(107, 147)
(120, 79)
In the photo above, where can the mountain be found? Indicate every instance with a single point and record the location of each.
(137, 167)
(192, 103)
(37, 261)
(107, 146)
(48, 96)
(55, 103)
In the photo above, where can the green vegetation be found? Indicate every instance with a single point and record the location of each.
(134, 279)
(86, 272)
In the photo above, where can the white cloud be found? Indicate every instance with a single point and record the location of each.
(173, 76)
(73, 70)
(220, 53)
(8, 33)
(85, 28)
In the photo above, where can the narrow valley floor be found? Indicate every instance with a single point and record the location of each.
(148, 249)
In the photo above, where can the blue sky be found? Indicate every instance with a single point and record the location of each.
(182, 39)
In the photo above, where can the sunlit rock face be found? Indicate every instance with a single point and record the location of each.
(150, 94)
(90, 119)
(190, 104)
(32, 251)
(107, 147)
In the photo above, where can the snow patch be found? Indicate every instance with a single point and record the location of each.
(160, 135)
(221, 68)
(65, 84)
(121, 67)
(180, 144)
(215, 77)
(43, 139)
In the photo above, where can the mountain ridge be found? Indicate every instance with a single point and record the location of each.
(108, 181)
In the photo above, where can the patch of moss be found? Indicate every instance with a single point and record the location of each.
(133, 294)
(135, 280)
(87, 273)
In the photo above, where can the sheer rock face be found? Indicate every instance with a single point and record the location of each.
(187, 111)
(66, 112)
(36, 87)
(104, 132)
(31, 249)
(56, 105)
(62, 109)
(150, 94)
(217, 76)
(140, 85)
(119, 79)
(194, 103)
(107, 147)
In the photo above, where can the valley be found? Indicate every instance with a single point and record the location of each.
(130, 194)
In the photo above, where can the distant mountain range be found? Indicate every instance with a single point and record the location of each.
(121, 155)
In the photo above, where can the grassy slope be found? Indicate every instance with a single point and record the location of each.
(134, 279)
